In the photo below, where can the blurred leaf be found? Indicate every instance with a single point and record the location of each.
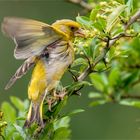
(117, 31)
(77, 85)
(9, 112)
(79, 61)
(114, 76)
(98, 102)
(94, 12)
(100, 66)
(95, 95)
(84, 21)
(100, 24)
(136, 27)
(95, 48)
(62, 133)
(135, 44)
(130, 102)
(129, 7)
(111, 53)
(112, 18)
(76, 111)
(9, 131)
(17, 103)
(131, 77)
(21, 118)
(21, 131)
(16, 136)
(96, 79)
(63, 122)
(26, 104)
(2, 124)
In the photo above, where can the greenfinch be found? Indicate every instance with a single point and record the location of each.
(47, 48)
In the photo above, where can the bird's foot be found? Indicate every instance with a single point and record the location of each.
(59, 95)
(50, 101)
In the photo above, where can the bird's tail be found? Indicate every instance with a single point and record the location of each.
(35, 115)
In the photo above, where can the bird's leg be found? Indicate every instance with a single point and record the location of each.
(49, 101)
(59, 95)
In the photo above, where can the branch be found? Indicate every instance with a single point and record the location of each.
(130, 96)
(82, 3)
(110, 42)
(133, 19)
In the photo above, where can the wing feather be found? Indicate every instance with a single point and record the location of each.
(22, 70)
(30, 36)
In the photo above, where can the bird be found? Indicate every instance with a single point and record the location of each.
(46, 48)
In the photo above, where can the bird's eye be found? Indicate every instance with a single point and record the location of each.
(72, 28)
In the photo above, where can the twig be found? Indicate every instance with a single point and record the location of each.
(134, 18)
(89, 69)
(130, 96)
(82, 3)
(110, 42)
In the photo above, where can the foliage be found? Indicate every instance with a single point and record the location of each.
(13, 118)
(109, 55)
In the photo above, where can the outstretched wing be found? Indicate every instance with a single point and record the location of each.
(30, 36)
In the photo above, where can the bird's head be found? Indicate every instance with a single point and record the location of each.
(68, 27)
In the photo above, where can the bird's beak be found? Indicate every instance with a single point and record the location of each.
(79, 33)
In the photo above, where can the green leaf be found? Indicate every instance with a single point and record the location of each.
(95, 48)
(136, 27)
(62, 133)
(79, 61)
(113, 17)
(130, 78)
(97, 81)
(63, 122)
(95, 95)
(94, 12)
(98, 102)
(3, 124)
(77, 85)
(17, 103)
(9, 131)
(9, 112)
(16, 136)
(100, 24)
(84, 21)
(130, 102)
(100, 66)
(129, 7)
(21, 131)
(114, 76)
(76, 111)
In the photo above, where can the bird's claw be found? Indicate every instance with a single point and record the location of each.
(60, 96)
(50, 101)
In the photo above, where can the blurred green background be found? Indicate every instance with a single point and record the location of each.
(107, 122)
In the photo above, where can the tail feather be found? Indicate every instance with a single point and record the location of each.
(34, 115)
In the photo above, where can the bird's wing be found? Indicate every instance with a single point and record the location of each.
(22, 70)
(30, 36)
